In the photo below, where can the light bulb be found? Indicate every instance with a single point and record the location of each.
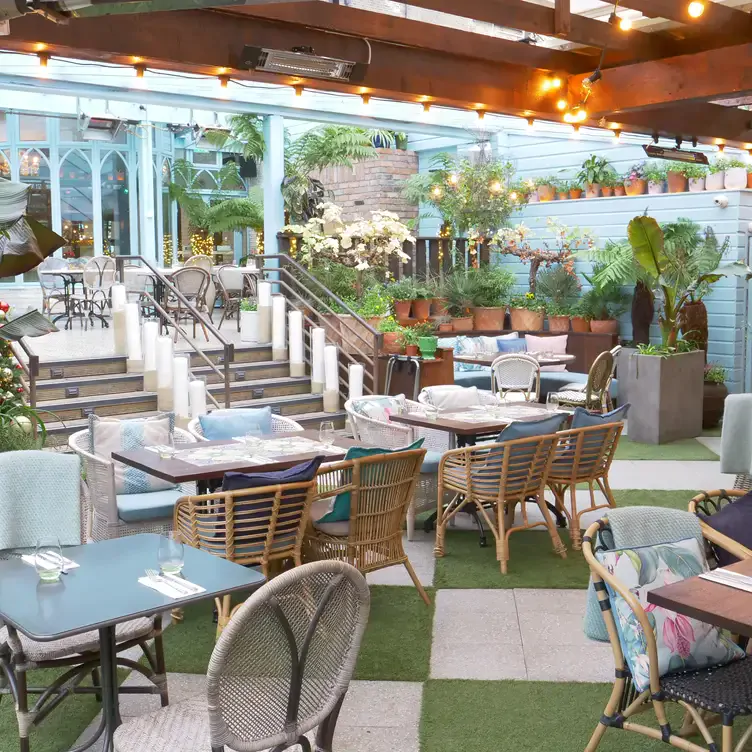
(625, 24)
(44, 58)
(436, 192)
(366, 99)
(453, 179)
(426, 107)
(556, 83)
(530, 124)
(569, 117)
(513, 195)
(496, 187)
(481, 114)
(299, 89)
(561, 105)
(580, 115)
(617, 136)
(696, 8)
(721, 147)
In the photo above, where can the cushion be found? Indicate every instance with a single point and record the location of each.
(471, 346)
(431, 462)
(152, 505)
(452, 397)
(379, 408)
(555, 381)
(491, 344)
(481, 378)
(684, 644)
(735, 521)
(507, 337)
(556, 345)
(340, 511)
(511, 345)
(526, 429)
(583, 418)
(108, 435)
(221, 425)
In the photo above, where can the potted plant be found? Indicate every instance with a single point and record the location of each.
(635, 183)
(392, 332)
(459, 294)
(676, 177)
(619, 189)
(490, 286)
(422, 301)
(735, 175)
(562, 189)
(594, 169)
(655, 174)
(444, 323)
(438, 300)
(248, 321)
(559, 315)
(609, 183)
(749, 176)
(546, 188)
(714, 178)
(580, 319)
(402, 294)
(409, 340)
(604, 303)
(374, 305)
(427, 340)
(559, 287)
(714, 393)
(528, 313)
(695, 174)
(575, 190)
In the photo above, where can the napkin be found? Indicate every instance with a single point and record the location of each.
(729, 578)
(172, 591)
(67, 563)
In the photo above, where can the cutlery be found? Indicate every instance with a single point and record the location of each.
(153, 575)
(192, 589)
(51, 558)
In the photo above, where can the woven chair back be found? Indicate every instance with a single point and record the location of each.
(230, 280)
(286, 658)
(192, 282)
(516, 373)
(599, 377)
(201, 261)
(247, 526)
(136, 278)
(708, 503)
(100, 273)
(584, 454)
(49, 281)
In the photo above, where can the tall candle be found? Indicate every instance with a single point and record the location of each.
(119, 300)
(279, 340)
(133, 338)
(318, 342)
(197, 394)
(118, 297)
(180, 390)
(150, 332)
(295, 338)
(164, 372)
(264, 312)
(331, 379)
(355, 378)
(264, 293)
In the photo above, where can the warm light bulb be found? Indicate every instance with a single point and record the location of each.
(366, 99)
(436, 192)
(44, 58)
(625, 24)
(223, 81)
(496, 187)
(299, 88)
(426, 107)
(575, 131)
(556, 83)
(580, 115)
(453, 179)
(481, 114)
(530, 124)
(721, 147)
(696, 8)
(222, 70)
(140, 70)
(513, 195)
(617, 136)
(561, 104)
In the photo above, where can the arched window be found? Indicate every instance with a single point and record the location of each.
(116, 231)
(77, 205)
(34, 170)
(205, 181)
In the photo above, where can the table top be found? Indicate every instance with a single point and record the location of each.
(165, 271)
(486, 359)
(177, 470)
(490, 419)
(104, 590)
(710, 602)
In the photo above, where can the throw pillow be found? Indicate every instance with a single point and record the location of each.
(511, 345)
(223, 425)
(451, 397)
(583, 418)
(471, 346)
(340, 511)
(527, 429)
(491, 344)
(108, 435)
(379, 408)
(556, 345)
(683, 643)
(735, 521)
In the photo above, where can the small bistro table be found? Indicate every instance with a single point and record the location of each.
(486, 359)
(104, 591)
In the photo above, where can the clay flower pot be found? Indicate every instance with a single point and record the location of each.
(713, 399)
(439, 307)
(677, 183)
(447, 327)
(696, 185)
(402, 308)
(607, 191)
(592, 190)
(527, 321)
(635, 187)
(620, 190)
(411, 350)
(559, 324)
(422, 309)
(749, 180)
(575, 193)
(610, 326)
(488, 318)
(562, 195)
(655, 187)
(392, 343)
(580, 324)
(546, 192)
(462, 324)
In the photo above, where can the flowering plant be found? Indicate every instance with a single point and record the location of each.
(528, 301)
(635, 172)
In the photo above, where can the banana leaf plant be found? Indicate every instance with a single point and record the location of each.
(674, 289)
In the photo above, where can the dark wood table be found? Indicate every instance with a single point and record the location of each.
(104, 591)
(176, 470)
(710, 602)
(486, 359)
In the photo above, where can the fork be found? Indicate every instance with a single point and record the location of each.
(153, 575)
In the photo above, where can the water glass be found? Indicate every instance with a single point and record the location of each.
(48, 559)
(252, 438)
(326, 432)
(167, 450)
(170, 553)
(432, 413)
(552, 402)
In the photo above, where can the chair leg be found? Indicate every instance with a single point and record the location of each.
(161, 670)
(438, 549)
(414, 577)
(727, 737)
(325, 732)
(224, 606)
(96, 681)
(574, 528)
(611, 707)
(558, 544)
(22, 712)
(411, 521)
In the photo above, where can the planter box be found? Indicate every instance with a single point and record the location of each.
(666, 395)
(714, 181)
(249, 326)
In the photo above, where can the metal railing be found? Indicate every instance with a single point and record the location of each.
(30, 368)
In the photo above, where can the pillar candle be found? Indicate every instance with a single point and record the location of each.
(264, 312)
(164, 372)
(279, 339)
(295, 335)
(118, 319)
(150, 332)
(355, 379)
(331, 379)
(180, 391)
(197, 393)
(133, 338)
(318, 342)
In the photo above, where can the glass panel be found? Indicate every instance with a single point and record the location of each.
(3, 127)
(166, 244)
(205, 181)
(203, 157)
(4, 165)
(33, 127)
(115, 214)
(69, 130)
(34, 170)
(76, 207)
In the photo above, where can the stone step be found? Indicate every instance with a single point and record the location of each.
(242, 391)
(73, 387)
(246, 372)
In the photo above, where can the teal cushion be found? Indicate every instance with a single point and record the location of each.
(526, 429)
(431, 462)
(222, 425)
(341, 508)
(481, 379)
(585, 419)
(151, 505)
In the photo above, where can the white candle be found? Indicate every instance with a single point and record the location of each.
(197, 393)
(180, 387)
(295, 337)
(133, 337)
(331, 368)
(279, 341)
(355, 378)
(318, 342)
(150, 334)
(164, 362)
(119, 298)
(264, 293)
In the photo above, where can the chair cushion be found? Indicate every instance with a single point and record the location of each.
(480, 378)
(511, 345)
(340, 511)
(108, 435)
(735, 521)
(472, 346)
(556, 381)
(431, 462)
(220, 425)
(556, 344)
(527, 429)
(151, 505)
(379, 408)
(583, 418)
(452, 397)
(683, 643)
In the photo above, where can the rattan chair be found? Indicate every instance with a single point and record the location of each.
(100, 480)
(280, 424)
(381, 489)
(578, 387)
(201, 261)
(583, 455)
(193, 283)
(595, 396)
(498, 477)
(255, 527)
(705, 694)
(280, 670)
(230, 280)
(708, 503)
(99, 276)
(53, 287)
(516, 377)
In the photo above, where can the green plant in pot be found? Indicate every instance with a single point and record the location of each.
(422, 301)
(695, 174)
(714, 395)
(655, 173)
(580, 317)
(392, 332)
(248, 320)
(604, 303)
(409, 340)
(402, 293)
(427, 340)
(594, 170)
(459, 289)
(374, 305)
(560, 289)
(490, 287)
(528, 312)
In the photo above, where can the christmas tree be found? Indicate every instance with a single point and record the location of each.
(11, 386)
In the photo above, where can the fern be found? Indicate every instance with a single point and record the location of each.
(234, 214)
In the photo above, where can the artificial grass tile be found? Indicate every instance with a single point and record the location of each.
(648, 498)
(684, 449)
(712, 431)
(188, 645)
(532, 562)
(397, 642)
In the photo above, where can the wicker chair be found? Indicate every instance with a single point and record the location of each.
(516, 377)
(281, 669)
(595, 396)
(100, 480)
(583, 455)
(708, 503)
(280, 424)
(230, 279)
(381, 489)
(53, 287)
(192, 283)
(498, 476)
(200, 261)
(249, 527)
(579, 387)
(704, 694)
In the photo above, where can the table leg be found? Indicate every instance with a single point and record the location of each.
(472, 509)
(110, 707)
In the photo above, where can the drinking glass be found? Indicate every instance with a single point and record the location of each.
(167, 450)
(432, 413)
(326, 432)
(252, 438)
(48, 559)
(552, 402)
(170, 553)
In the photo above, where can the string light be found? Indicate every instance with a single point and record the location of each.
(453, 179)
(696, 8)
(562, 105)
(366, 99)
(299, 89)
(577, 115)
(551, 84)
(436, 192)
(481, 114)
(513, 196)
(496, 187)
(625, 24)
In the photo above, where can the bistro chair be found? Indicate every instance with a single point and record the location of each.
(595, 396)
(53, 287)
(646, 680)
(579, 387)
(497, 477)
(380, 489)
(280, 424)
(583, 455)
(721, 548)
(281, 669)
(99, 275)
(516, 377)
(193, 283)
(206, 263)
(139, 282)
(230, 280)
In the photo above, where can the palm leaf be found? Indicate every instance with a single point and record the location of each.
(234, 214)
(646, 239)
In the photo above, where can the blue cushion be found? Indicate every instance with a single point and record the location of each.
(431, 462)
(341, 509)
(151, 505)
(511, 345)
(227, 424)
(584, 418)
(481, 379)
(526, 429)
(735, 521)
(555, 381)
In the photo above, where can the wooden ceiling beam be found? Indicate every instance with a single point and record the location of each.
(562, 18)
(716, 16)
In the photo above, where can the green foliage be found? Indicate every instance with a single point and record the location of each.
(595, 169)
(528, 301)
(635, 172)
(375, 302)
(13, 438)
(246, 304)
(246, 136)
(561, 309)
(665, 351)
(725, 163)
(408, 336)
(691, 170)
(458, 290)
(490, 285)
(611, 179)
(424, 329)
(404, 289)
(654, 172)
(715, 374)
(557, 286)
(603, 301)
(389, 324)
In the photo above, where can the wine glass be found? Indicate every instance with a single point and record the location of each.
(48, 559)
(170, 553)
(326, 432)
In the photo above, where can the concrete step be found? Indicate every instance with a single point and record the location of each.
(242, 391)
(73, 387)
(247, 372)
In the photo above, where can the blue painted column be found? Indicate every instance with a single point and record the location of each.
(273, 174)
(146, 216)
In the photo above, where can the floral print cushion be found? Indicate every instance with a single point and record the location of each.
(683, 644)
(380, 408)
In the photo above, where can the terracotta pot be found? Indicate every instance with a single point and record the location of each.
(392, 343)
(488, 318)
(713, 399)
(439, 307)
(635, 187)
(545, 192)
(402, 308)
(607, 191)
(610, 326)
(592, 190)
(749, 180)
(462, 324)
(735, 178)
(558, 324)
(422, 309)
(714, 181)
(580, 324)
(563, 195)
(619, 190)
(696, 185)
(527, 321)
(411, 350)
(446, 327)
(655, 188)
(575, 193)
(677, 183)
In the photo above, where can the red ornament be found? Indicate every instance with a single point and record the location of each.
(18, 366)
(4, 307)
(20, 389)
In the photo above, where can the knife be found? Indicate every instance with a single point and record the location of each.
(180, 584)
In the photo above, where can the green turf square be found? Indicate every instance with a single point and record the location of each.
(684, 449)
(648, 498)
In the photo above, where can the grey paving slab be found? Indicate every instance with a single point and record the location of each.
(711, 442)
(544, 601)
(465, 658)
(552, 628)
(420, 553)
(570, 664)
(668, 475)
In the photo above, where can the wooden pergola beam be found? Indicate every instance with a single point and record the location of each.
(716, 16)
(562, 18)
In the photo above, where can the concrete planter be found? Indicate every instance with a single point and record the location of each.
(714, 181)
(249, 326)
(666, 395)
(735, 178)
(696, 185)
(655, 187)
